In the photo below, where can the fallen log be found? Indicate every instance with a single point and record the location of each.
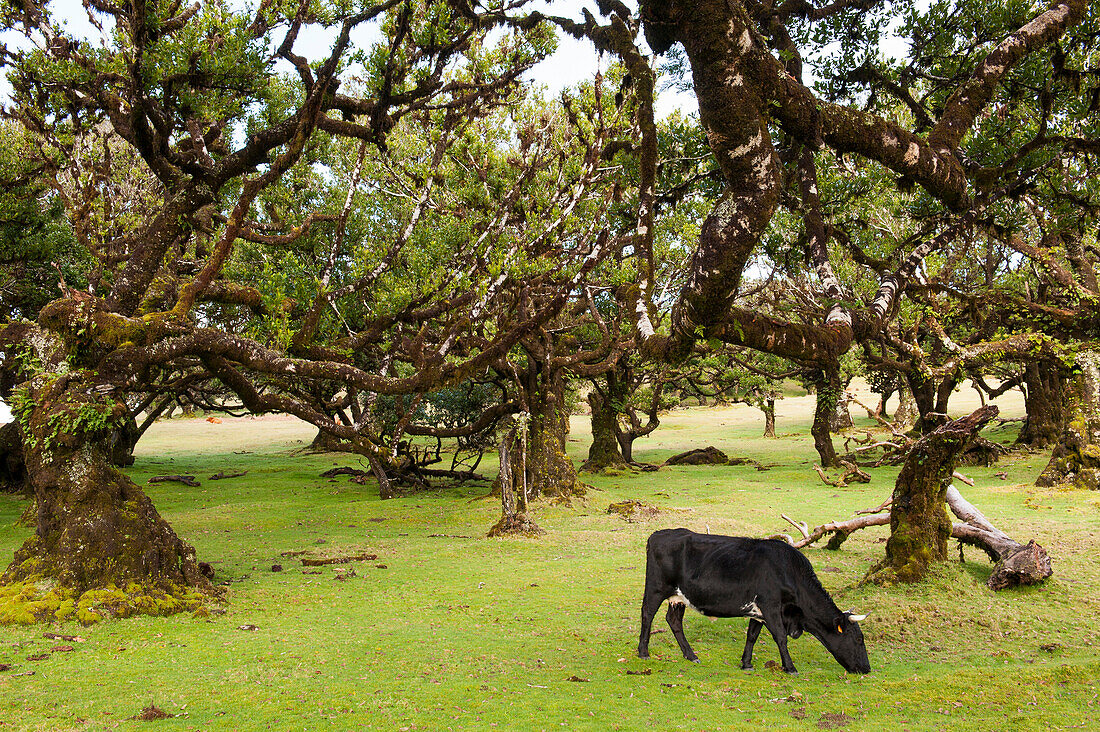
(185, 479)
(222, 475)
(320, 562)
(1016, 564)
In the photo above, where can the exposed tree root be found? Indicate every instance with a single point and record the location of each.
(851, 474)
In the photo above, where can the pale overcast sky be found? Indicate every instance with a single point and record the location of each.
(573, 62)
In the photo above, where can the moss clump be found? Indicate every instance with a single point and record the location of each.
(1091, 451)
(33, 601)
(25, 603)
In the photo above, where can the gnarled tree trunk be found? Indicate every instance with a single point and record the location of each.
(768, 408)
(1044, 404)
(327, 442)
(842, 417)
(13, 469)
(513, 485)
(122, 441)
(605, 449)
(919, 524)
(550, 471)
(828, 393)
(1076, 456)
(906, 413)
(95, 528)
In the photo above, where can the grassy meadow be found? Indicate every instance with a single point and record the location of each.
(447, 629)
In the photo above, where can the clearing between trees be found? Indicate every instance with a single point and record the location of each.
(446, 628)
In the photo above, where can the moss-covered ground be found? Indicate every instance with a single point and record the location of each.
(446, 629)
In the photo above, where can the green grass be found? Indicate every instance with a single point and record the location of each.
(476, 633)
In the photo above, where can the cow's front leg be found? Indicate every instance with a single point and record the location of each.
(675, 618)
(778, 629)
(750, 641)
(651, 603)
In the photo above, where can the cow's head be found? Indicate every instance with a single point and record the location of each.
(843, 638)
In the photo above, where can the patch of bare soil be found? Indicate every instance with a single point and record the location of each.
(830, 720)
(151, 713)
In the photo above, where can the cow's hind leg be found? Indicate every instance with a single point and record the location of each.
(778, 628)
(651, 603)
(750, 641)
(675, 618)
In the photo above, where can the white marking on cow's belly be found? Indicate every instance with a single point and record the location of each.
(752, 610)
(679, 599)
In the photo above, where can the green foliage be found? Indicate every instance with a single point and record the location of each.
(22, 404)
(33, 230)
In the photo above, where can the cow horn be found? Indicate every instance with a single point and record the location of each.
(856, 618)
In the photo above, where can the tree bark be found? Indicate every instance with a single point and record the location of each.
(605, 449)
(828, 392)
(922, 387)
(1044, 404)
(122, 441)
(550, 472)
(95, 528)
(842, 417)
(919, 524)
(626, 445)
(386, 488)
(906, 413)
(769, 417)
(328, 442)
(1076, 457)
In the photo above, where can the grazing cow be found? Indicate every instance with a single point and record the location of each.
(765, 580)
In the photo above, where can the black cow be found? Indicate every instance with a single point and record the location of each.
(765, 580)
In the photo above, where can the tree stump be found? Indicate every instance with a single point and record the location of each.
(512, 479)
